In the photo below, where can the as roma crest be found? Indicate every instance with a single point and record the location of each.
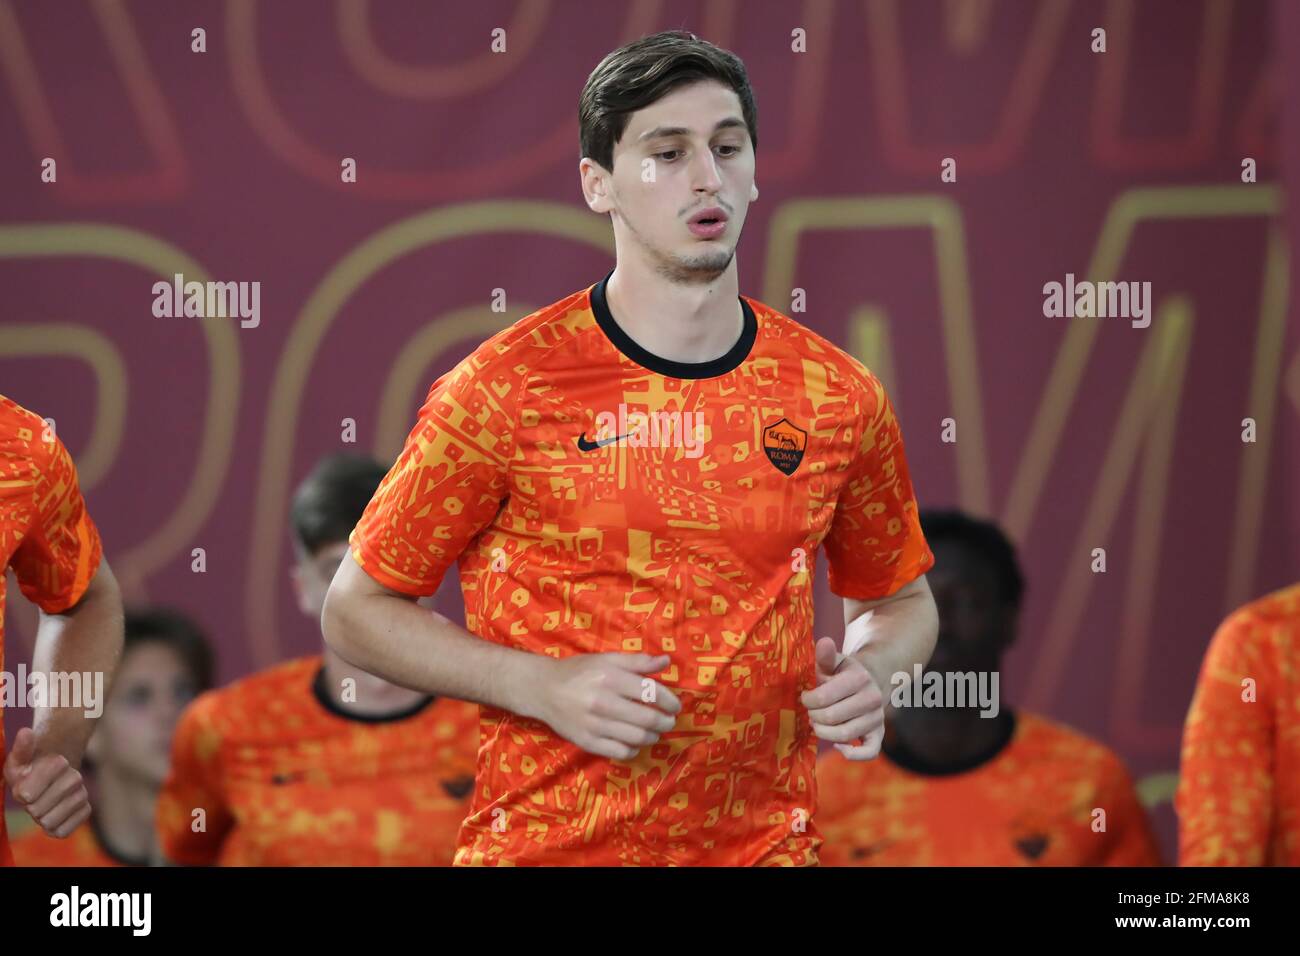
(784, 444)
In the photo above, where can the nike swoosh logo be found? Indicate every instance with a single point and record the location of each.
(585, 444)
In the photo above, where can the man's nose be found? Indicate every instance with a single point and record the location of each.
(706, 174)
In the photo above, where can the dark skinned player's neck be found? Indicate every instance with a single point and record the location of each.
(946, 739)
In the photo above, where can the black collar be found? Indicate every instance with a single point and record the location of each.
(909, 760)
(110, 851)
(326, 700)
(667, 367)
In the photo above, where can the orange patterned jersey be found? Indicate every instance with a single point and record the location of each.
(1033, 803)
(1239, 787)
(284, 777)
(46, 536)
(82, 847)
(599, 498)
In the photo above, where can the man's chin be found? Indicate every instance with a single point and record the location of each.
(151, 774)
(703, 267)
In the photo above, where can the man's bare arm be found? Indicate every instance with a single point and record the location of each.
(603, 703)
(901, 632)
(85, 639)
(881, 638)
(42, 766)
(386, 633)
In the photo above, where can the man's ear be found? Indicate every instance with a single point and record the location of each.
(595, 185)
(753, 192)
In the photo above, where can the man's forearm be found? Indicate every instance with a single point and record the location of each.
(899, 634)
(85, 639)
(403, 643)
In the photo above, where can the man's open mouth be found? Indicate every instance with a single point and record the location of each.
(708, 217)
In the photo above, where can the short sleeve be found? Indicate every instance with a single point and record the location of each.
(447, 485)
(1225, 784)
(61, 550)
(875, 545)
(193, 783)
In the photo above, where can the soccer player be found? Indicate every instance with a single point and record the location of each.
(314, 762)
(166, 661)
(635, 480)
(980, 785)
(1238, 796)
(48, 540)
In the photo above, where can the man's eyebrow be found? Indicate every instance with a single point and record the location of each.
(727, 123)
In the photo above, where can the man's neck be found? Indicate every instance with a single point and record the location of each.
(948, 737)
(681, 323)
(124, 815)
(373, 696)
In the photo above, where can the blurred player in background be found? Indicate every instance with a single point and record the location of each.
(314, 762)
(166, 662)
(635, 480)
(53, 548)
(954, 788)
(1238, 797)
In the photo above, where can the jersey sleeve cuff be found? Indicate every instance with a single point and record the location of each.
(902, 577)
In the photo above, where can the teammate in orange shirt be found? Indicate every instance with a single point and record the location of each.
(48, 540)
(166, 661)
(314, 762)
(979, 785)
(1239, 787)
(635, 481)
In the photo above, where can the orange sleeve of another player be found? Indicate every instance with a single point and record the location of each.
(447, 484)
(1129, 839)
(61, 551)
(875, 545)
(193, 783)
(1225, 787)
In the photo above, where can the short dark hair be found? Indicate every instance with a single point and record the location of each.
(983, 538)
(330, 501)
(646, 70)
(162, 625)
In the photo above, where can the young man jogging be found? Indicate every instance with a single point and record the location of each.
(634, 481)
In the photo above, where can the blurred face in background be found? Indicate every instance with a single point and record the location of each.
(703, 166)
(133, 738)
(976, 625)
(312, 574)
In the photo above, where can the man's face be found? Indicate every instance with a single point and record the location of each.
(975, 625)
(688, 152)
(312, 574)
(133, 737)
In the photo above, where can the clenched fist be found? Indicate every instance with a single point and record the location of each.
(47, 786)
(847, 706)
(604, 704)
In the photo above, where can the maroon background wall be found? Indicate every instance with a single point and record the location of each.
(1075, 433)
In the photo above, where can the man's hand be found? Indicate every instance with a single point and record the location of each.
(603, 703)
(47, 786)
(846, 706)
